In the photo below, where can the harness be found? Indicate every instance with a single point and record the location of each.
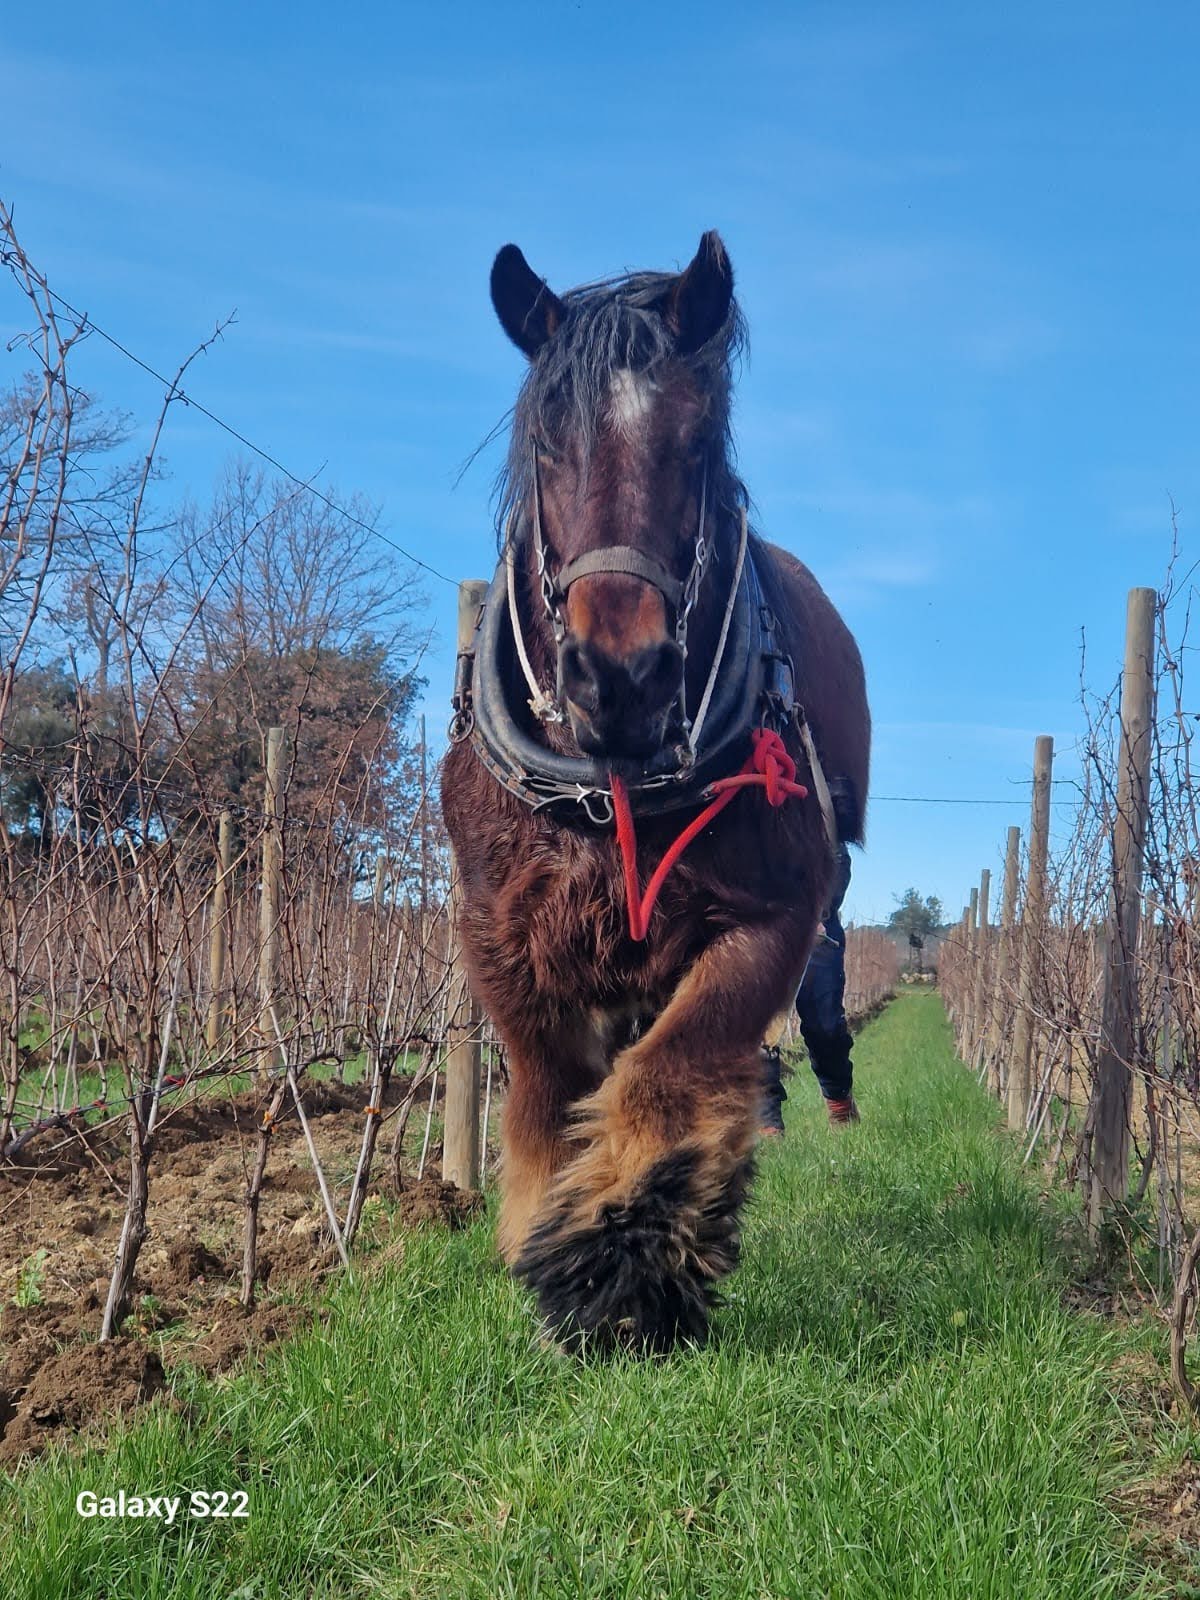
(750, 685)
(750, 702)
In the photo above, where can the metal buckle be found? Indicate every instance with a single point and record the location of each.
(780, 682)
(462, 720)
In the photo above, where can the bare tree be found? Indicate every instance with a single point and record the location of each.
(283, 574)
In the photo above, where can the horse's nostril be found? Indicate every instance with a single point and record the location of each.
(577, 677)
(658, 666)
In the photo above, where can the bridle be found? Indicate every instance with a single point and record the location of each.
(679, 594)
(749, 684)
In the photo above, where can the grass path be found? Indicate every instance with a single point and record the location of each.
(897, 1403)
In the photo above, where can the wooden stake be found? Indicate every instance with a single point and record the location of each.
(460, 1141)
(1108, 1177)
(967, 1030)
(424, 828)
(268, 937)
(1000, 979)
(982, 934)
(1031, 932)
(218, 935)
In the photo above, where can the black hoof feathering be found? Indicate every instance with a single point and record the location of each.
(643, 1276)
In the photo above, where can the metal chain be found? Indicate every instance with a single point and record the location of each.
(691, 591)
(550, 595)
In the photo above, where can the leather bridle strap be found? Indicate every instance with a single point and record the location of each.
(679, 594)
(621, 558)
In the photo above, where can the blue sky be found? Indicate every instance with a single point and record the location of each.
(965, 239)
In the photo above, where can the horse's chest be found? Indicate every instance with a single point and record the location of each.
(549, 904)
(570, 919)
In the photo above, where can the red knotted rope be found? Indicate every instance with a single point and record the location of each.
(768, 767)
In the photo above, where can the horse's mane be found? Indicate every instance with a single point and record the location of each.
(611, 325)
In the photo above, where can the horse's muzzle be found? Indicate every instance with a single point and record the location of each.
(619, 708)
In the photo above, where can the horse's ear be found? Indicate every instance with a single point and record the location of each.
(698, 304)
(528, 308)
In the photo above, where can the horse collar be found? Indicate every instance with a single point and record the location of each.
(750, 686)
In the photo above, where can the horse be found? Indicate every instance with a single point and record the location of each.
(638, 649)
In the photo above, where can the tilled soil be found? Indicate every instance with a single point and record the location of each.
(61, 1211)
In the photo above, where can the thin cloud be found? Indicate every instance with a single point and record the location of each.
(1011, 342)
(885, 569)
(909, 506)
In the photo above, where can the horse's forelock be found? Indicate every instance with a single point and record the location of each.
(615, 327)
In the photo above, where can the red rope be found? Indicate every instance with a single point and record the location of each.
(768, 766)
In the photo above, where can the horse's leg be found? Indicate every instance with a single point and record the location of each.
(640, 1225)
(549, 1070)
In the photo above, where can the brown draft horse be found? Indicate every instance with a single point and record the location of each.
(634, 629)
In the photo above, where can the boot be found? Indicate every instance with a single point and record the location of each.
(842, 1111)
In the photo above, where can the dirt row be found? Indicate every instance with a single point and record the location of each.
(61, 1211)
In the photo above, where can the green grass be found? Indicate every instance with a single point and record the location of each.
(896, 1403)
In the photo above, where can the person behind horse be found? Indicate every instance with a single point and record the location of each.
(820, 1003)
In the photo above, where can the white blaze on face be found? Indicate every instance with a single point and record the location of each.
(631, 398)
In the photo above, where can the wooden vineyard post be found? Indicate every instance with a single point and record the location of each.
(423, 837)
(967, 1032)
(960, 943)
(218, 935)
(460, 1142)
(269, 907)
(1108, 1176)
(982, 933)
(1031, 933)
(1008, 917)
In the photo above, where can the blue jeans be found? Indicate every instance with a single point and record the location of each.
(820, 1004)
(821, 1007)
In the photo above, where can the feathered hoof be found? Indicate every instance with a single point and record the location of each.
(640, 1274)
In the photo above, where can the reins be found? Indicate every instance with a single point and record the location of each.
(768, 766)
(545, 707)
